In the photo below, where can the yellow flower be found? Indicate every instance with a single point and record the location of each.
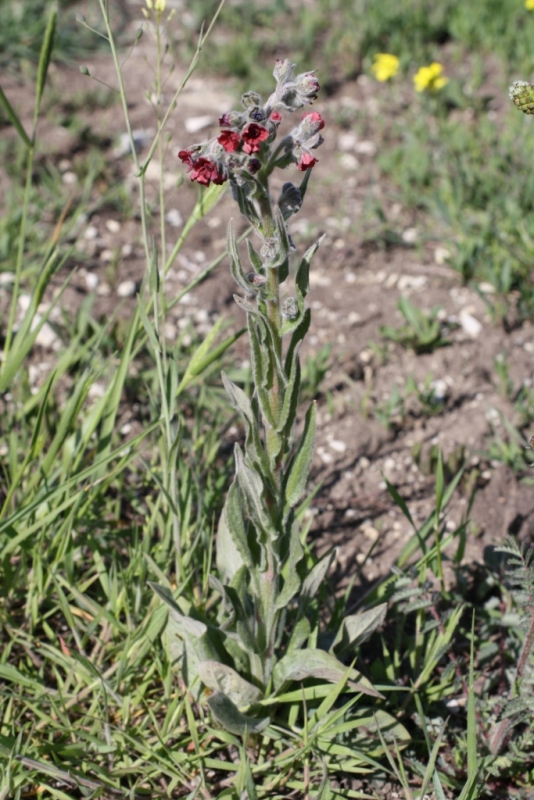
(157, 5)
(529, 5)
(385, 66)
(430, 78)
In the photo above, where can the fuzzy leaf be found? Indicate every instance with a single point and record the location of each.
(220, 677)
(228, 715)
(260, 363)
(302, 279)
(251, 486)
(356, 628)
(298, 665)
(300, 332)
(253, 445)
(231, 536)
(314, 579)
(254, 257)
(300, 634)
(297, 475)
(235, 262)
(291, 396)
(292, 580)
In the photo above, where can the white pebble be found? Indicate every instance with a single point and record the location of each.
(347, 141)
(411, 282)
(410, 235)
(470, 325)
(69, 178)
(348, 161)
(337, 445)
(7, 278)
(91, 232)
(441, 255)
(366, 148)
(113, 225)
(174, 218)
(91, 281)
(107, 255)
(127, 288)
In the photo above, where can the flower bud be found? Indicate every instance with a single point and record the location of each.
(290, 309)
(233, 119)
(257, 114)
(522, 95)
(290, 199)
(283, 70)
(256, 280)
(250, 99)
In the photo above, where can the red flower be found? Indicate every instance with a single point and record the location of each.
(253, 136)
(315, 118)
(205, 171)
(230, 141)
(306, 162)
(186, 157)
(275, 117)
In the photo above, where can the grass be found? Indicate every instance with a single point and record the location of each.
(91, 699)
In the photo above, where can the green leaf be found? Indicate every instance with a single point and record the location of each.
(356, 628)
(297, 665)
(314, 579)
(253, 446)
(302, 279)
(228, 715)
(13, 118)
(44, 58)
(251, 486)
(220, 677)
(232, 545)
(292, 580)
(297, 475)
(236, 267)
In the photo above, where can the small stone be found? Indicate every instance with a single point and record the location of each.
(364, 463)
(126, 428)
(391, 280)
(486, 288)
(107, 255)
(69, 178)
(360, 558)
(140, 139)
(470, 325)
(113, 225)
(319, 279)
(91, 232)
(7, 278)
(441, 255)
(390, 465)
(103, 290)
(410, 235)
(337, 445)
(170, 331)
(47, 337)
(350, 277)
(213, 222)
(370, 533)
(325, 457)
(366, 148)
(65, 164)
(174, 218)
(96, 391)
(127, 288)
(91, 281)
(347, 141)
(196, 124)
(440, 389)
(411, 282)
(353, 318)
(348, 161)
(126, 250)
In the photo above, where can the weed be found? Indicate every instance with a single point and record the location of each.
(423, 331)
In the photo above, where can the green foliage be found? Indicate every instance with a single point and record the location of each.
(423, 332)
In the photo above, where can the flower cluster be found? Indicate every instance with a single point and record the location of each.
(430, 78)
(243, 147)
(385, 66)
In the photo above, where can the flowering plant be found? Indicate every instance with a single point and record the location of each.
(265, 637)
(430, 78)
(385, 66)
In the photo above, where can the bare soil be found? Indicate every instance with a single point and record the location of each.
(357, 278)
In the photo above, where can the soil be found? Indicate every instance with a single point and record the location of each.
(357, 278)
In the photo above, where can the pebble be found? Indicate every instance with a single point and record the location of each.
(195, 124)
(127, 288)
(103, 290)
(126, 428)
(140, 137)
(348, 161)
(366, 148)
(347, 141)
(391, 280)
(470, 325)
(350, 277)
(390, 465)
(440, 389)
(7, 278)
(174, 218)
(107, 255)
(65, 164)
(91, 232)
(126, 250)
(411, 282)
(337, 445)
(370, 533)
(47, 337)
(319, 279)
(170, 331)
(91, 281)
(325, 457)
(96, 390)
(364, 463)
(410, 235)
(353, 318)
(113, 225)
(487, 288)
(213, 222)
(441, 255)
(69, 178)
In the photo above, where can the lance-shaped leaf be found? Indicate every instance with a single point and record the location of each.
(298, 665)
(13, 118)
(300, 634)
(297, 474)
(44, 58)
(292, 580)
(253, 445)
(221, 678)
(299, 332)
(236, 267)
(302, 279)
(230, 717)
(231, 536)
(314, 579)
(190, 640)
(356, 628)
(251, 486)
(291, 396)
(260, 362)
